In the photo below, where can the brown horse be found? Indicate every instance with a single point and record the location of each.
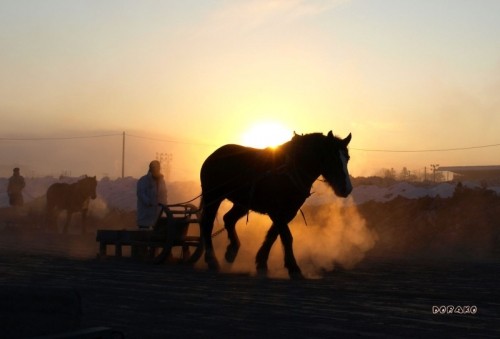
(72, 198)
(275, 182)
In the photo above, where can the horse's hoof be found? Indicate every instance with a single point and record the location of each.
(231, 253)
(296, 275)
(213, 264)
(262, 270)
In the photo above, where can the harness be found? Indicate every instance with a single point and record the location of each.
(291, 171)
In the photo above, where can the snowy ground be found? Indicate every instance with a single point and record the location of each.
(365, 193)
(120, 193)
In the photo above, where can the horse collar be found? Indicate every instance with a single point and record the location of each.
(294, 176)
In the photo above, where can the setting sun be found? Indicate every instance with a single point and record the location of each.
(266, 134)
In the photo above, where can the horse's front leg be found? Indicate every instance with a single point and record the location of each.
(290, 263)
(68, 221)
(263, 253)
(84, 220)
(50, 219)
(230, 220)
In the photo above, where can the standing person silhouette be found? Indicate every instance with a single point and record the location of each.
(151, 190)
(15, 188)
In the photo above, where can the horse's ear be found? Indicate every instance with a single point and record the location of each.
(330, 135)
(347, 140)
(95, 177)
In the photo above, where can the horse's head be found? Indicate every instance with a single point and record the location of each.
(334, 164)
(89, 185)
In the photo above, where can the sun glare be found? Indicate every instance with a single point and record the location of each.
(266, 134)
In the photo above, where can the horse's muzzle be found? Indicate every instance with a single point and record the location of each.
(343, 193)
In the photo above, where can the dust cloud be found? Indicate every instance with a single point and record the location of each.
(338, 234)
(335, 234)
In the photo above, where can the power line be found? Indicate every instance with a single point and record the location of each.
(171, 141)
(424, 150)
(103, 136)
(60, 138)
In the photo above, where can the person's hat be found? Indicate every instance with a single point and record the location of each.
(16, 169)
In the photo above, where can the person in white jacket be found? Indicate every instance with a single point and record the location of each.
(151, 190)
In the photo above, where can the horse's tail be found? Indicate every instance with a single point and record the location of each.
(199, 212)
(202, 201)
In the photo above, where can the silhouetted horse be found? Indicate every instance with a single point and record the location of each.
(72, 198)
(275, 182)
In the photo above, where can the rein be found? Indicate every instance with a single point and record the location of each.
(187, 202)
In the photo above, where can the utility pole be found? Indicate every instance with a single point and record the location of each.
(425, 173)
(123, 156)
(434, 168)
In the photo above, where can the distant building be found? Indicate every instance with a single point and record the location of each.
(485, 174)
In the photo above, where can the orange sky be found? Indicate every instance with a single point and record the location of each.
(398, 75)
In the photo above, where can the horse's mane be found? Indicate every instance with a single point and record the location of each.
(306, 139)
(310, 136)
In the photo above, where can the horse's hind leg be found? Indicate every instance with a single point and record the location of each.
(263, 253)
(68, 221)
(50, 218)
(230, 220)
(208, 213)
(290, 263)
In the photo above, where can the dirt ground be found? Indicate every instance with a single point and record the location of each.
(428, 252)
(380, 296)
